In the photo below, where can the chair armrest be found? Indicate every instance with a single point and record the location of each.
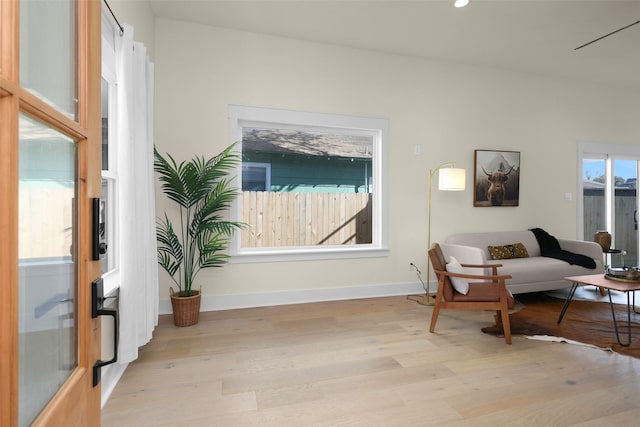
(475, 276)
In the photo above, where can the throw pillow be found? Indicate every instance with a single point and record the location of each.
(516, 250)
(460, 284)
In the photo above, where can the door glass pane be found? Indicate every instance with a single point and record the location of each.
(593, 196)
(47, 265)
(626, 215)
(48, 33)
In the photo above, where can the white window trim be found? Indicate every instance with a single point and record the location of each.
(244, 116)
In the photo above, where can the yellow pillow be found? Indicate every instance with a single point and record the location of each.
(516, 250)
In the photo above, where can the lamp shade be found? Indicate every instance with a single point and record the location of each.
(451, 179)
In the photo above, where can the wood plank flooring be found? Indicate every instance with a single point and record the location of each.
(369, 362)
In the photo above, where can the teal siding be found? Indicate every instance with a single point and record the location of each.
(314, 174)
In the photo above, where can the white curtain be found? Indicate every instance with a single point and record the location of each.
(136, 211)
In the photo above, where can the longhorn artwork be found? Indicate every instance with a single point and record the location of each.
(496, 178)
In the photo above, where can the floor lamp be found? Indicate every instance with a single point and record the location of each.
(450, 178)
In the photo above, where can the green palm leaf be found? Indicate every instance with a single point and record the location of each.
(170, 254)
(208, 213)
(204, 192)
(209, 246)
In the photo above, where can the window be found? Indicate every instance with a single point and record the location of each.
(312, 185)
(256, 176)
(108, 199)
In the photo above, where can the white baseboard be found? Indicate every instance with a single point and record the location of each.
(110, 377)
(112, 374)
(227, 302)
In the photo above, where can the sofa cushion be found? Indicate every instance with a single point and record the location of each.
(516, 250)
(538, 269)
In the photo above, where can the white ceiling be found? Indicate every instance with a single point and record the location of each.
(536, 36)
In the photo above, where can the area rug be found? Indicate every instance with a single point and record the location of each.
(587, 322)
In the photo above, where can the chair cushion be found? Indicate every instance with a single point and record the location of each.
(459, 284)
(483, 291)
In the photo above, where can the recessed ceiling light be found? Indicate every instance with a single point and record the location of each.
(461, 3)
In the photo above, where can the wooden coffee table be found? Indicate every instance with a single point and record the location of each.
(626, 286)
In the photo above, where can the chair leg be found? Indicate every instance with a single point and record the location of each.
(498, 317)
(502, 322)
(506, 325)
(434, 316)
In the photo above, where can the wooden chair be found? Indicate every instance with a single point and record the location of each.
(488, 292)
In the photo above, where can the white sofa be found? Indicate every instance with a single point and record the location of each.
(532, 274)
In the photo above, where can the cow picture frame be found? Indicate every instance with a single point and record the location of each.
(496, 178)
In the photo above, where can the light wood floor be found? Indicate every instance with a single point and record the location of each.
(367, 362)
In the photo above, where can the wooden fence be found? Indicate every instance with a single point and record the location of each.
(626, 221)
(279, 219)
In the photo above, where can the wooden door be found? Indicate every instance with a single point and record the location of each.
(49, 171)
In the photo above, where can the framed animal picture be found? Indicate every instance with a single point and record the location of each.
(496, 178)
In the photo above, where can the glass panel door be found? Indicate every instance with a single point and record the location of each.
(610, 203)
(593, 196)
(625, 213)
(48, 52)
(47, 247)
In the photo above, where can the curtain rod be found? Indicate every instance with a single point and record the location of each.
(114, 17)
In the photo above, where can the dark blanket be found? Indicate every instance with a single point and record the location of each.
(550, 247)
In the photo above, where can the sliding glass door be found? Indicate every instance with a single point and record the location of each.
(610, 202)
(625, 211)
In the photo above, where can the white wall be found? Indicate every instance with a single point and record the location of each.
(138, 14)
(449, 110)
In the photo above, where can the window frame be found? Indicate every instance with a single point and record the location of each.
(246, 116)
(267, 171)
(111, 278)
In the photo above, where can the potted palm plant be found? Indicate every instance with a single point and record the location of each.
(203, 191)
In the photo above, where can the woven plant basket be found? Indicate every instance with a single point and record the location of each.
(186, 310)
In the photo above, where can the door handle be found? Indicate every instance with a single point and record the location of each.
(97, 309)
